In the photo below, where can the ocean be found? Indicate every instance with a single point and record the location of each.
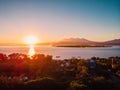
(65, 52)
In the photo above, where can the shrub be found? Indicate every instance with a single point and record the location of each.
(75, 85)
(44, 84)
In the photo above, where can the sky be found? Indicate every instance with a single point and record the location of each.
(53, 20)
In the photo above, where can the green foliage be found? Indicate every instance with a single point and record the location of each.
(82, 70)
(75, 85)
(118, 73)
(44, 73)
(44, 84)
(13, 84)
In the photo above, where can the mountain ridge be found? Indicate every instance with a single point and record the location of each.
(72, 42)
(85, 42)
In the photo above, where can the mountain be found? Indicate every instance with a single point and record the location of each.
(81, 42)
(112, 42)
(77, 42)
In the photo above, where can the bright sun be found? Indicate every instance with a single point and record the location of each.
(31, 40)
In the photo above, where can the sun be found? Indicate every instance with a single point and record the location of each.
(31, 40)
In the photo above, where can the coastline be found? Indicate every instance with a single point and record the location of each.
(84, 46)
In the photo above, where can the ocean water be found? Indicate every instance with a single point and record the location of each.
(65, 52)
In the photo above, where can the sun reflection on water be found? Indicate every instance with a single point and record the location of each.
(31, 50)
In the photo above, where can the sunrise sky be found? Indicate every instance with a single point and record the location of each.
(53, 20)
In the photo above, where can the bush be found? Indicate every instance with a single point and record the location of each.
(75, 85)
(13, 84)
(44, 84)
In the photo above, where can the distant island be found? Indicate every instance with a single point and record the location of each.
(81, 42)
(83, 46)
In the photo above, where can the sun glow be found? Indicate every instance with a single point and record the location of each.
(31, 40)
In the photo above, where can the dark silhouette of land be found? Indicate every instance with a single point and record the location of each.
(40, 72)
(81, 42)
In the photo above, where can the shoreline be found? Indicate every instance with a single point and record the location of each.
(82, 46)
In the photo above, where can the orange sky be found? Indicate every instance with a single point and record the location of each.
(95, 20)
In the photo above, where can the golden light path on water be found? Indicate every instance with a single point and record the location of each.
(31, 40)
(31, 50)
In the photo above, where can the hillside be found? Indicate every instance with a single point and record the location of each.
(81, 42)
(113, 42)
